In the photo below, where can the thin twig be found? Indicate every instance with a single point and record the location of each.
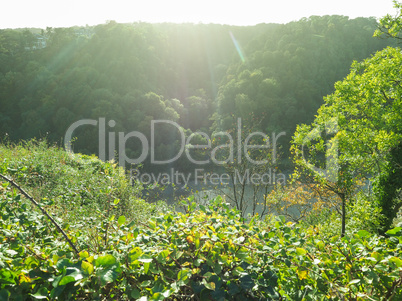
(24, 193)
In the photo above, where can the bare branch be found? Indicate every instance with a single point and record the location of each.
(25, 194)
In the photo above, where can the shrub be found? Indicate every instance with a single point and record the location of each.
(207, 253)
(77, 184)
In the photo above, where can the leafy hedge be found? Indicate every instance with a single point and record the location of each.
(207, 253)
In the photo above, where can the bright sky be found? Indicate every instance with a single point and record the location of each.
(66, 13)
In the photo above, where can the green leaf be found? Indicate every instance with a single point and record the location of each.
(377, 256)
(42, 293)
(302, 273)
(282, 218)
(121, 220)
(217, 268)
(56, 292)
(135, 294)
(246, 282)
(334, 239)
(394, 231)
(233, 289)
(11, 252)
(320, 244)
(183, 276)
(66, 279)
(363, 233)
(84, 254)
(198, 262)
(134, 254)
(108, 275)
(105, 261)
(145, 283)
(146, 267)
(242, 253)
(301, 251)
(152, 224)
(57, 280)
(168, 218)
(158, 287)
(178, 254)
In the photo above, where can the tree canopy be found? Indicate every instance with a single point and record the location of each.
(359, 125)
(190, 74)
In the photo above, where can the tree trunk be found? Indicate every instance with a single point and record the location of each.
(343, 216)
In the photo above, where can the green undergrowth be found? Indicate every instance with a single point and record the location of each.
(76, 188)
(207, 253)
(122, 248)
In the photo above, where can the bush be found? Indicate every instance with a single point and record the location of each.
(80, 186)
(207, 253)
(363, 214)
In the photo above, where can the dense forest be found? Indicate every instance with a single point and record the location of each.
(320, 98)
(198, 76)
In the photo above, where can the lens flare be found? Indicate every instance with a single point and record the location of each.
(237, 47)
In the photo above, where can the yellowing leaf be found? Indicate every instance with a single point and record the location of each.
(377, 256)
(190, 239)
(84, 254)
(207, 245)
(301, 251)
(87, 267)
(210, 285)
(24, 278)
(397, 261)
(302, 274)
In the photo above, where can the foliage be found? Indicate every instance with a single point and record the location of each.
(296, 201)
(248, 160)
(289, 70)
(367, 106)
(73, 183)
(388, 188)
(314, 205)
(327, 178)
(206, 253)
(362, 122)
(391, 26)
(363, 214)
(135, 73)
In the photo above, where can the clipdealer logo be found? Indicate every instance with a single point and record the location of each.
(237, 148)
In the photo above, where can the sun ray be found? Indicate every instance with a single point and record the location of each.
(239, 51)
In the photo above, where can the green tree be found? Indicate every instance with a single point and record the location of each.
(391, 26)
(291, 67)
(317, 164)
(367, 108)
